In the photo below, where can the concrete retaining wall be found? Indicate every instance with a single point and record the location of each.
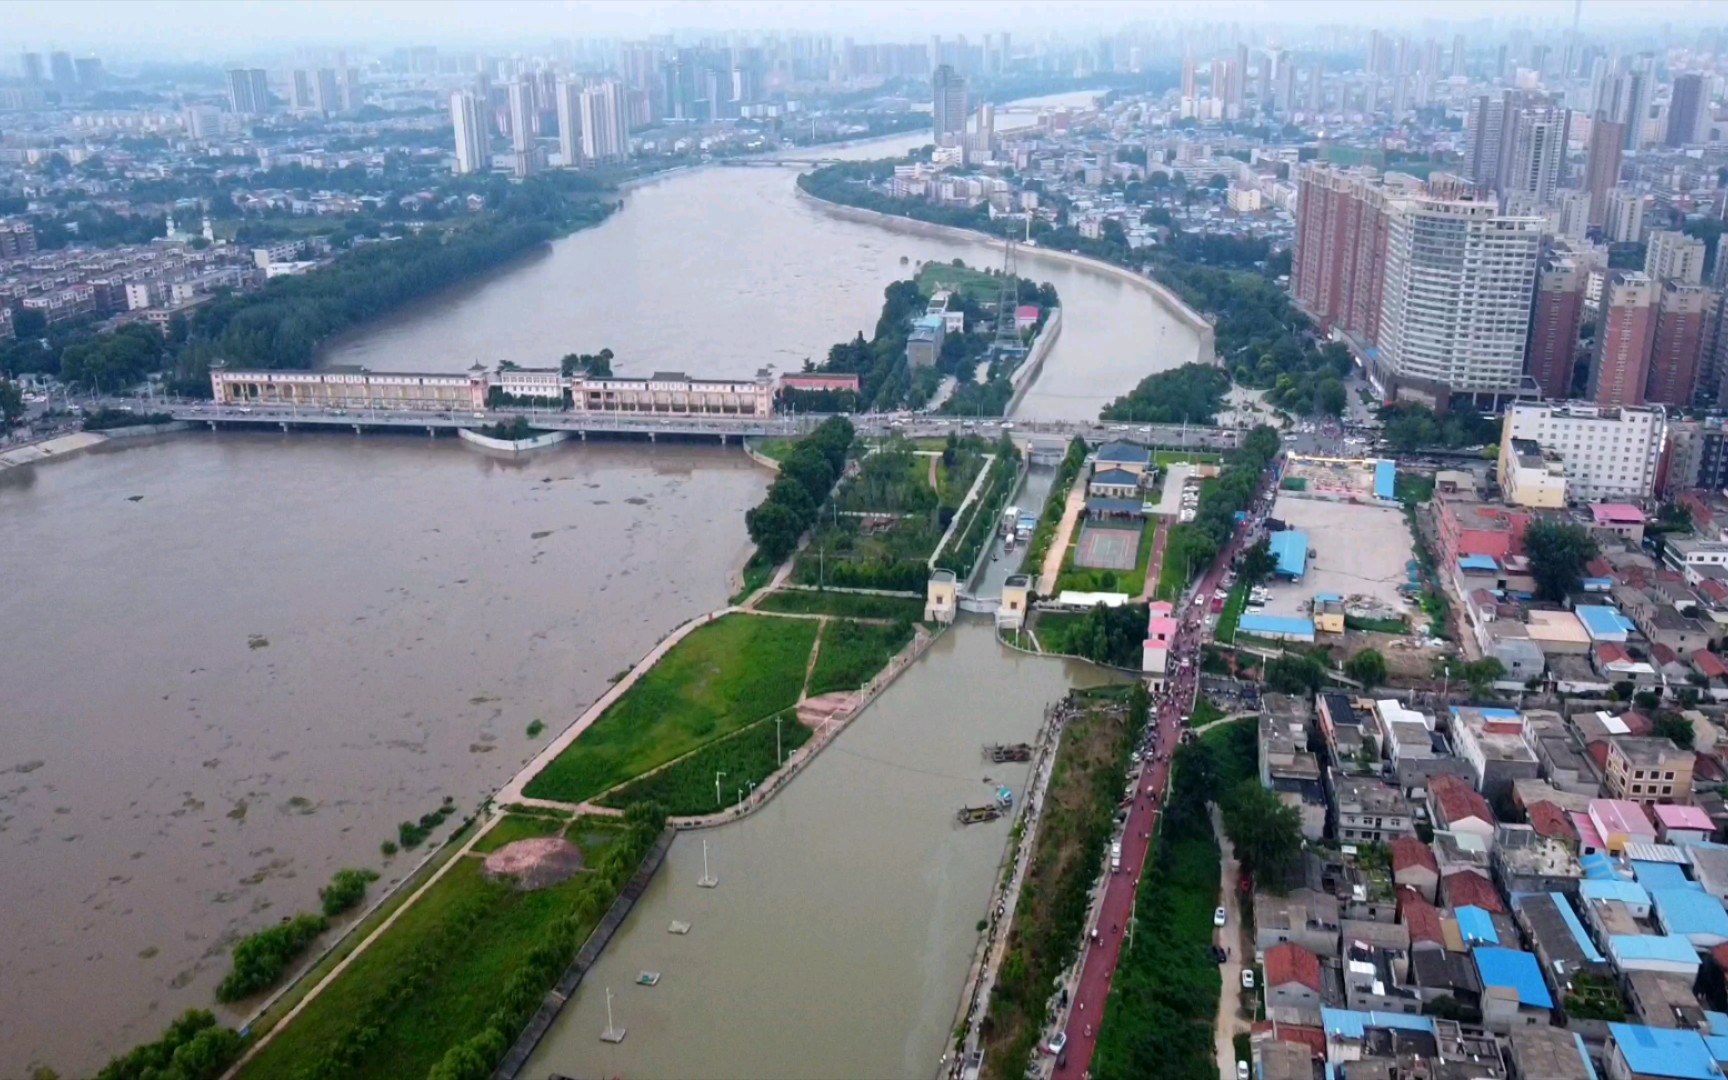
(761, 459)
(511, 1067)
(1027, 373)
(139, 431)
(512, 446)
(59, 446)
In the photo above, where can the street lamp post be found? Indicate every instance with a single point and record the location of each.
(779, 758)
(717, 776)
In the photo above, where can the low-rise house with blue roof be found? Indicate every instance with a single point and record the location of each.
(1127, 456)
(1662, 953)
(1689, 912)
(1514, 996)
(1113, 484)
(1276, 627)
(1604, 623)
(1290, 548)
(1641, 1052)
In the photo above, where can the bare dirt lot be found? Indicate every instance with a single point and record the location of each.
(1359, 552)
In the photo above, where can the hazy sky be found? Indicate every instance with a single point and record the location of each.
(218, 27)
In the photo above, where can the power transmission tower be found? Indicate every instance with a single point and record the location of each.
(1007, 301)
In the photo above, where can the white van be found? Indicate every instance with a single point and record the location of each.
(1116, 856)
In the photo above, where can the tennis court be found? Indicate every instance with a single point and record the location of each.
(1106, 547)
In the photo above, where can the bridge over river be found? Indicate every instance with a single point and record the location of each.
(1043, 436)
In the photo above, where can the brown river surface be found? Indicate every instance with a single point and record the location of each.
(234, 662)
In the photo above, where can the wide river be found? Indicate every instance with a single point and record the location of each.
(233, 663)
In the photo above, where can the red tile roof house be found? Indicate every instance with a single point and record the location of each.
(1421, 919)
(1549, 821)
(1457, 806)
(1464, 888)
(1292, 977)
(1414, 865)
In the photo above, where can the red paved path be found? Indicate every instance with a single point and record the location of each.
(1100, 962)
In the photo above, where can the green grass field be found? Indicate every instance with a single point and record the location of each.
(468, 934)
(687, 787)
(514, 827)
(975, 283)
(1191, 457)
(773, 449)
(848, 605)
(1232, 613)
(851, 652)
(723, 676)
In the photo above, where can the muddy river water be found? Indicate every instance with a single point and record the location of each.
(234, 662)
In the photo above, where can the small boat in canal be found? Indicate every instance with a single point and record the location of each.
(973, 815)
(647, 978)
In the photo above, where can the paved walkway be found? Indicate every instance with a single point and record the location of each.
(1098, 962)
(1052, 568)
(1155, 561)
(1230, 1022)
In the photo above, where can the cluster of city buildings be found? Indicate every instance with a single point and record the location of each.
(1493, 893)
(663, 394)
(151, 281)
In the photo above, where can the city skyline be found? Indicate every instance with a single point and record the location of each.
(276, 24)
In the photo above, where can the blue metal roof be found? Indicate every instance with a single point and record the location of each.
(1515, 969)
(1120, 451)
(1353, 1023)
(1255, 623)
(1673, 1052)
(1627, 892)
(1660, 875)
(1603, 621)
(1586, 944)
(1716, 1021)
(1385, 479)
(1325, 596)
(1290, 548)
(1688, 911)
(1598, 867)
(1477, 562)
(1717, 1045)
(1476, 925)
(1663, 947)
(1118, 477)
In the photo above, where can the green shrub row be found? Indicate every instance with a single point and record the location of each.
(972, 538)
(261, 958)
(345, 891)
(193, 1048)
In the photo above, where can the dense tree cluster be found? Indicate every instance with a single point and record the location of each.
(1410, 427)
(1194, 544)
(1558, 552)
(261, 959)
(346, 889)
(1111, 635)
(807, 476)
(1192, 394)
(193, 1048)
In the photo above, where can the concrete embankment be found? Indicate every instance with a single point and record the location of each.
(1208, 352)
(1027, 373)
(48, 449)
(511, 446)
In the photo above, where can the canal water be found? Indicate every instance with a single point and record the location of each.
(844, 923)
(234, 662)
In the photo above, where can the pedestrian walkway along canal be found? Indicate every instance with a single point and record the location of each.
(845, 917)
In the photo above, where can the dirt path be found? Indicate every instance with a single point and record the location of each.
(1052, 567)
(1155, 562)
(1230, 1023)
(810, 664)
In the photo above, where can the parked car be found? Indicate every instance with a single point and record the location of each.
(1219, 918)
(1247, 978)
(1241, 1070)
(1058, 1042)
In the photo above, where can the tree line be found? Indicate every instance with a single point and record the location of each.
(807, 477)
(1196, 543)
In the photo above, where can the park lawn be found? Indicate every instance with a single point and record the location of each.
(474, 959)
(1190, 457)
(850, 605)
(980, 286)
(1055, 630)
(686, 787)
(773, 449)
(399, 895)
(513, 827)
(721, 677)
(851, 652)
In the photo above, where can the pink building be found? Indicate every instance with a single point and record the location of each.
(1619, 822)
(1677, 824)
(1160, 634)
